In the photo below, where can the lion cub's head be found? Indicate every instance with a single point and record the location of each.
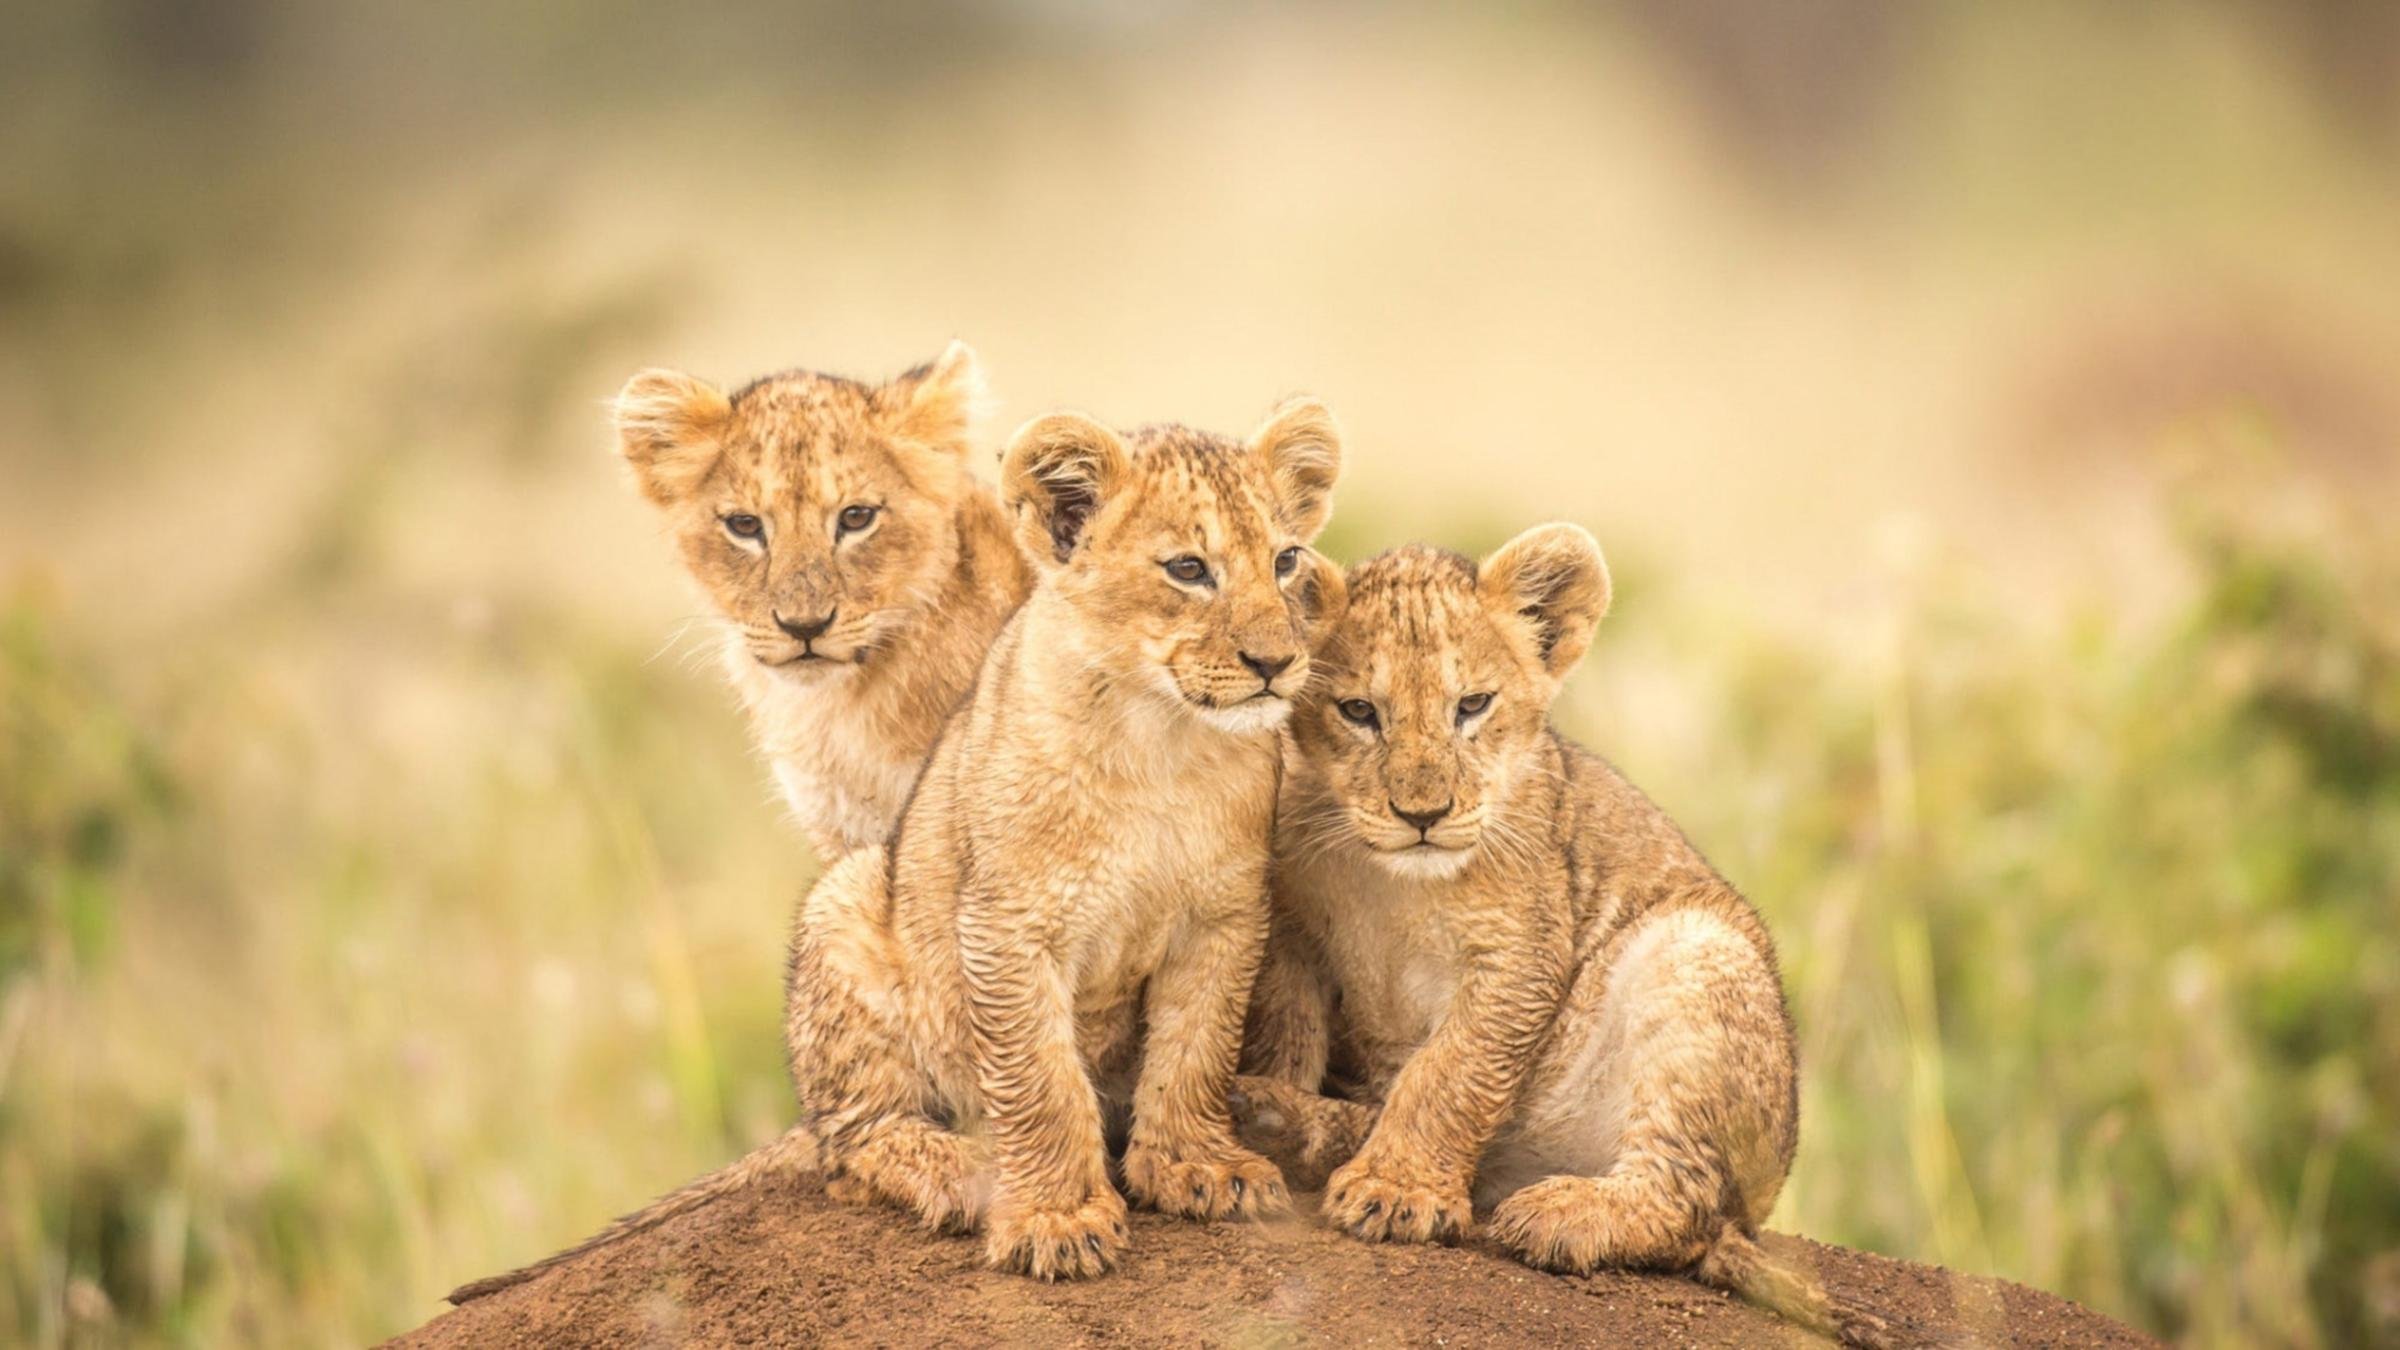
(1185, 554)
(1434, 693)
(817, 512)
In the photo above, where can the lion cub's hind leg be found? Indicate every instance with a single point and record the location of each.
(1663, 1110)
(860, 1046)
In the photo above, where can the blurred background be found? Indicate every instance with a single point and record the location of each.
(1990, 411)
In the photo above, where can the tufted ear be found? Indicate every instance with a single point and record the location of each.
(1552, 578)
(1302, 449)
(1320, 597)
(668, 424)
(1057, 473)
(938, 404)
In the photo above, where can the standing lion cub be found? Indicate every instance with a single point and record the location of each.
(860, 567)
(1559, 1008)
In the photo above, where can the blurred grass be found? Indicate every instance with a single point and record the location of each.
(387, 894)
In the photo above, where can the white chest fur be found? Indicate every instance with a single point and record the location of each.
(1391, 949)
(840, 773)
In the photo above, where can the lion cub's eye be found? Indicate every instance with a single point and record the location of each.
(744, 526)
(856, 518)
(1187, 569)
(1472, 706)
(1358, 711)
(1286, 561)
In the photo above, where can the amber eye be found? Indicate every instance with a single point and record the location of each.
(1286, 561)
(1472, 706)
(856, 518)
(743, 526)
(1359, 712)
(1187, 569)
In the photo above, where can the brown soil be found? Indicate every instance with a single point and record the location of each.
(783, 1265)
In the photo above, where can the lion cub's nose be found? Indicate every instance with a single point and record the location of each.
(1265, 668)
(1423, 820)
(809, 631)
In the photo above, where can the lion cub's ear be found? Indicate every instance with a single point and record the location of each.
(938, 404)
(1320, 597)
(1553, 579)
(668, 424)
(1058, 472)
(1303, 452)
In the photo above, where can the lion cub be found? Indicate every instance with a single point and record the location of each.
(1555, 1002)
(861, 568)
(1074, 902)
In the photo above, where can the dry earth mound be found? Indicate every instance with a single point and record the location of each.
(780, 1264)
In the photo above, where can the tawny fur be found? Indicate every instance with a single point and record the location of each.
(911, 601)
(1546, 1004)
(1073, 905)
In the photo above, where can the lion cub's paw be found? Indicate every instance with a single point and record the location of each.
(1379, 1199)
(1058, 1244)
(1306, 1134)
(1236, 1183)
(1558, 1224)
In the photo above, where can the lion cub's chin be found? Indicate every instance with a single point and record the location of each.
(1257, 714)
(1423, 862)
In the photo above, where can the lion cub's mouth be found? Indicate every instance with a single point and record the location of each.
(809, 658)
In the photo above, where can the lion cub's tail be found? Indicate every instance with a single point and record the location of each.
(795, 1152)
(1738, 1265)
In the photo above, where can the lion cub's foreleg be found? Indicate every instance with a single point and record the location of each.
(858, 1054)
(1054, 1214)
(1410, 1183)
(1182, 1157)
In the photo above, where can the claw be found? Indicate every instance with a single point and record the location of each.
(1237, 1190)
(1092, 1240)
(1374, 1207)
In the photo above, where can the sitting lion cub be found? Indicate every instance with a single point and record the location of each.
(1555, 1001)
(1084, 862)
(861, 568)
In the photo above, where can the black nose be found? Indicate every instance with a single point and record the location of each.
(810, 631)
(1266, 669)
(1423, 820)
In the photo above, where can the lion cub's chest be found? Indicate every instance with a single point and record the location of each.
(843, 768)
(1390, 944)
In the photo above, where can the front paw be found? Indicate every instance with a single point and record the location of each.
(1235, 1182)
(1380, 1199)
(1058, 1244)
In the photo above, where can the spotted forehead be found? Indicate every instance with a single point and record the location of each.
(1415, 625)
(1179, 471)
(797, 436)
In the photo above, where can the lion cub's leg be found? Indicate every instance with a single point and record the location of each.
(1182, 1157)
(1289, 1032)
(1664, 1099)
(1054, 1213)
(859, 1051)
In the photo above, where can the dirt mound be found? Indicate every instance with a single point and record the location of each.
(780, 1264)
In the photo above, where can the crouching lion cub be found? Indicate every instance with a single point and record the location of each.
(859, 566)
(1556, 1005)
(1073, 904)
